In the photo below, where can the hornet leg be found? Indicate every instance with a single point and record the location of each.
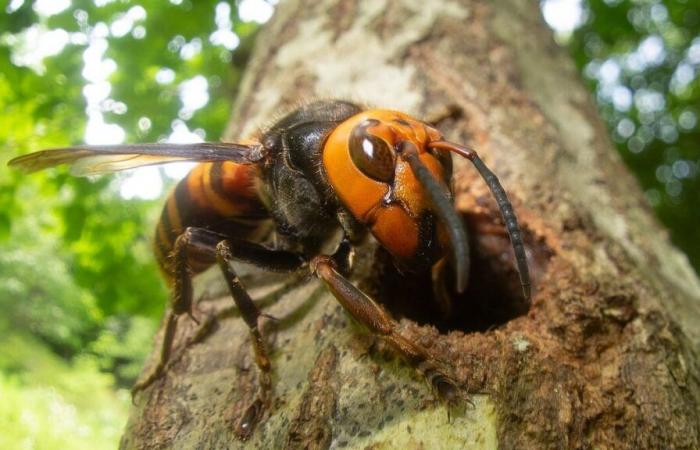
(181, 303)
(281, 261)
(379, 322)
(211, 247)
(440, 291)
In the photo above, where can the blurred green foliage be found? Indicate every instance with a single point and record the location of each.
(49, 403)
(79, 291)
(641, 58)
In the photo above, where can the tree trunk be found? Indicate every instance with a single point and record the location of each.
(605, 357)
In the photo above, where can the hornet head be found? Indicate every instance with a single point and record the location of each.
(394, 174)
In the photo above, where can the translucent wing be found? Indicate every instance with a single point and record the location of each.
(97, 159)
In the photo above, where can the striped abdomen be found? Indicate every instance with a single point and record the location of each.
(220, 196)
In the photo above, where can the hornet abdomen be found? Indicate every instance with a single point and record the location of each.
(221, 196)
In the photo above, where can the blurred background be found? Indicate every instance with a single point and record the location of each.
(80, 294)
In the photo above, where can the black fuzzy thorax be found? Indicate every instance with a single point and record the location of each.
(295, 188)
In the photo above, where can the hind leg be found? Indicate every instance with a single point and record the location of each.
(181, 303)
(211, 247)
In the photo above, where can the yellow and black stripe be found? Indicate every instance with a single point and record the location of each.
(220, 196)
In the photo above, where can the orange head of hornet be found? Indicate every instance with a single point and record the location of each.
(394, 174)
(374, 162)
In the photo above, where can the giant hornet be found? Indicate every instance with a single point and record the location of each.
(328, 166)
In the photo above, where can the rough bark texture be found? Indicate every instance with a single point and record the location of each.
(607, 355)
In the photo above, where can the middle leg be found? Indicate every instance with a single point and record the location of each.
(227, 251)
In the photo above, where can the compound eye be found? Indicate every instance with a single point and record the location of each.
(371, 154)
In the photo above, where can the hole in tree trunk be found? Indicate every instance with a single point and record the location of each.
(493, 295)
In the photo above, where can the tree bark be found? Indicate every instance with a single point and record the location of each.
(605, 357)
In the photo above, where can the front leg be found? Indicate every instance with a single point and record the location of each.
(370, 314)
